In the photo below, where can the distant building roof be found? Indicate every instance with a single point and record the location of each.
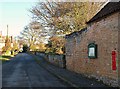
(108, 9)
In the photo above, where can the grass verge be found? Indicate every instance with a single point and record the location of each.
(5, 58)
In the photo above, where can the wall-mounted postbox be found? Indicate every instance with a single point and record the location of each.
(114, 60)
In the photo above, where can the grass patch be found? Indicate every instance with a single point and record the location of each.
(5, 58)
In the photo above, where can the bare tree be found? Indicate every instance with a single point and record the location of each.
(32, 34)
(64, 17)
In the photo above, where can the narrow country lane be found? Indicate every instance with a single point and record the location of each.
(23, 71)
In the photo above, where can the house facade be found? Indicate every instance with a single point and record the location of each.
(103, 33)
(2, 43)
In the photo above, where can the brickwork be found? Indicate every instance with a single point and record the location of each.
(104, 33)
(119, 47)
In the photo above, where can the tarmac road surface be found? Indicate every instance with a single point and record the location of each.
(23, 71)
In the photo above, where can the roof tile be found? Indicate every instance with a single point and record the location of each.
(108, 9)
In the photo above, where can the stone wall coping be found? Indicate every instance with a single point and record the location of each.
(76, 33)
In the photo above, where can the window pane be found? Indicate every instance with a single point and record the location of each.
(92, 51)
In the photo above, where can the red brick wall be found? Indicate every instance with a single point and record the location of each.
(105, 34)
(119, 47)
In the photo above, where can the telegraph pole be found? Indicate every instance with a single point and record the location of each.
(7, 30)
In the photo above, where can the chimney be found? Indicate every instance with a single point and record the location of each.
(11, 39)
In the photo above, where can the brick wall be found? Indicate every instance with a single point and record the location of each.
(104, 33)
(119, 48)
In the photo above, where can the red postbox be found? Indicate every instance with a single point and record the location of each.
(114, 60)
